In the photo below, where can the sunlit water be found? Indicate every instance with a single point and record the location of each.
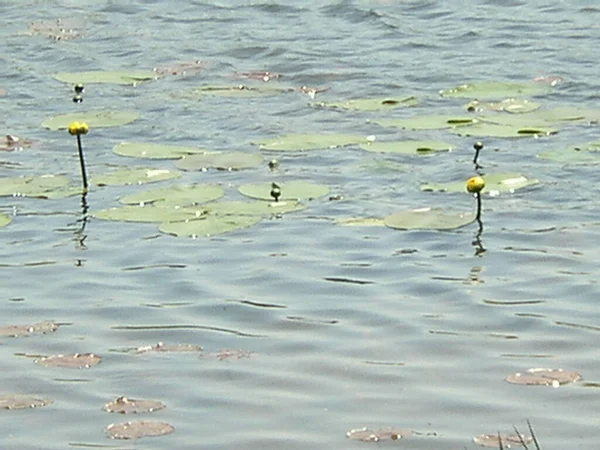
(349, 326)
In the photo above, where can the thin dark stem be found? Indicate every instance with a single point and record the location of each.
(82, 163)
(477, 166)
(535, 441)
(500, 445)
(520, 436)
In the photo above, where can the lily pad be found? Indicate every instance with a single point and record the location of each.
(407, 147)
(372, 104)
(508, 440)
(229, 354)
(544, 377)
(310, 141)
(208, 226)
(128, 176)
(136, 430)
(240, 90)
(589, 152)
(496, 90)
(28, 330)
(166, 348)
(495, 183)
(177, 195)
(148, 214)
(433, 122)
(95, 119)
(154, 151)
(124, 405)
(107, 77)
(368, 435)
(5, 219)
(361, 222)
(257, 208)
(290, 190)
(75, 361)
(509, 105)
(486, 129)
(220, 160)
(428, 219)
(23, 401)
(31, 186)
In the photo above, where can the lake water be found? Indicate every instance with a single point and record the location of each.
(349, 327)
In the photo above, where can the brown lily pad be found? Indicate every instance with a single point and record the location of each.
(508, 441)
(175, 348)
(59, 29)
(75, 361)
(136, 430)
(544, 377)
(262, 76)
(13, 143)
(231, 354)
(23, 401)
(368, 435)
(124, 405)
(28, 330)
(181, 68)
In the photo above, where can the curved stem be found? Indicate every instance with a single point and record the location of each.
(82, 163)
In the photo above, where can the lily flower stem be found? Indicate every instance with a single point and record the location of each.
(82, 163)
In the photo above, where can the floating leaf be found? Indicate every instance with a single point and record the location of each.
(486, 129)
(31, 186)
(148, 214)
(154, 151)
(228, 354)
(589, 152)
(165, 348)
(127, 176)
(495, 183)
(75, 361)
(372, 104)
(4, 220)
(361, 222)
(258, 208)
(368, 435)
(220, 160)
(58, 30)
(208, 226)
(106, 77)
(568, 114)
(300, 142)
(434, 122)
(290, 190)
(181, 68)
(95, 119)
(407, 147)
(177, 195)
(508, 440)
(237, 91)
(494, 89)
(136, 430)
(28, 330)
(428, 219)
(544, 377)
(23, 401)
(509, 105)
(124, 405)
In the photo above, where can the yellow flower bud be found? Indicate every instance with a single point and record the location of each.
(83, 128)
(74, 128)
(475, 184)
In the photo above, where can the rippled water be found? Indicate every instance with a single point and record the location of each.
(349, 326)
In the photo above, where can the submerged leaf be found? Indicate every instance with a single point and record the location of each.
(95, 119)
(257, 208)
(589, 152)
(310, 141)
(495, 89)
(208, 226)
(106, 77)
(23, 401)
(220, 160)
(428, 219)
(177, 195)
(372, 104)
(236, 91)
(434, 122)
(495, 183)
(361, 222)
(31, 186)
(290, 190)
(124, 405)
(168, 348)
(136, 430)
(544, 377)
(148, 214)
(407, 147)
(154, 151)
(75, 361)
(127, 176)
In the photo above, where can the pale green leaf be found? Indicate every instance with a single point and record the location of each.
(108, 77)
(407, 147)
(127, 176)
(495, 183)
(220, 160)
(154, 151)
(290, 190)
(372, 104)
(310, 141)
(95, 119)
(428, 219)
(177, 195)
(208, 226)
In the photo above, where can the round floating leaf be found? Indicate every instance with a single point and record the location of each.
(31, 186)
(23, 401)
(508, 440)
(510, 105)
(106, 77)
(428, 219)
(127, 176)
(434, 122)
(300, 142)
(367, 435)
(154, 151)
(485, 129)
(237, 91)
(495, 183)
(148, 214)
(569, 114)
(176, 195)
(372, 104)
(209, 226)
(95, 119)
(220, 160)
(165, 348)
(575, 154)
(28, 330)
(124, 405)
(291, 190)
(75, 361)
(361, 222)
(257, 208)
(407, 147)
(136, 430)
(4, 220)
(544, 377)
(493, 90)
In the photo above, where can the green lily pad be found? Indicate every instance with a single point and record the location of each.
(575, 154)
(31, 186)
(372, 104)
(106, 77)
(291, 190)
(257, 208)
(220, 160)
(176, 195)
(300, 142)
(428, 219)
(241, 90)
(95, 119)
(4, 220)
(484, 129)
(496, 89)
(433, 122)
(154, 151)
(509, 105)
(569, 114)
(407, 147)
(131, 213)
(361, 222)
(495, 183)
(67, 191)
(208, 226)
(127, 176)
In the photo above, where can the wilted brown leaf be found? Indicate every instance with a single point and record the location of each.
(124, 405)
(136, 430)
(368, 435)
(544, 377)
(23, 401)
(75, 361)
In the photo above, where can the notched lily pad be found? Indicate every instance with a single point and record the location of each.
(95, 119)
(178, 195)
(106, 77)
(220, 161)
(495, 183)
(383, 434)
(75, 361)
(31, 186)
(508, 440)
(5, 219)
(136, 430)
(128, 176)
(28, 330)
(124, 405)
(496, 90)
(433, 122)
(428, 219)
(544, 377)
(310, 141)
(290, 190)
(407, 147)
(23, 401)
(257, 208)
(208, 226)
(372, 104)
(166, 348)
(157, 214)
(154, 151)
